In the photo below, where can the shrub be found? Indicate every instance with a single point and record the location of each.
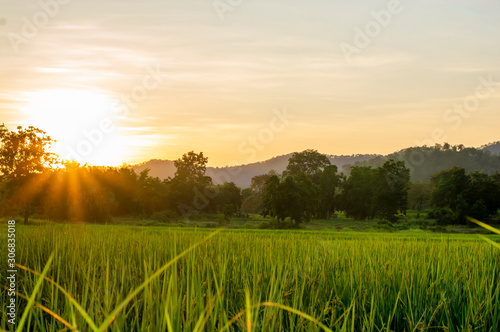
(278, 225)
(479, 210)
(165, 216)
(228, 210)
(443, 216)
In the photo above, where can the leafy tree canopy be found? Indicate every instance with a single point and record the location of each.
(24, 152)
(309, 162)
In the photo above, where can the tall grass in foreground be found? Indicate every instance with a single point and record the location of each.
(263, 281)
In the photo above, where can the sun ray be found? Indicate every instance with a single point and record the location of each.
(29, 188)
(74, 189)
(93, 192)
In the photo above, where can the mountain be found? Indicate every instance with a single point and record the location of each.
(425, 161)
(494, 147)
(157, 168)
(242, 175)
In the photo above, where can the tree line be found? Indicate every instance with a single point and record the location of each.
(34, 181)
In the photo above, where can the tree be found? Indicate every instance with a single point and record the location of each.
(328, 183)
(356, 199)
(24, 155)
(448, 185)
(227, 194)
(187, 189)
(294, 197)
(475, 194)
(380, 192)
(419, 195)
(258, 184)
(24, 152)
(308, 201)
(391, 189)
(271, 198)
(310, 162)
(228, 210)
(253, 199)
(482, 194)
(192, 167)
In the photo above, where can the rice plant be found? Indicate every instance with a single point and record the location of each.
(118, 278)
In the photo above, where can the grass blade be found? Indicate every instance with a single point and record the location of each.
(482, 224)
(136, 291)
(31, 300)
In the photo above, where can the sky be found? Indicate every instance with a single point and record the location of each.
(245, 80)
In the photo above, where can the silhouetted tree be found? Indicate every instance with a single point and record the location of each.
(448, 185)
(419, 195)
(328, 183)
(310, 162)
(358, 190)
(186, 191)
(24, 155)
(227, 193)
(475, 194)
(391, 190)
(254, 200)
(294, 197)
(380, 192)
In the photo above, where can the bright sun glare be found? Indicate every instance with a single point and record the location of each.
(73, 117)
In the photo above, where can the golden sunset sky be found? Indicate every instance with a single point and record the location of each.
(242, 81)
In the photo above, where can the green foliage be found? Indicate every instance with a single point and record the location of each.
(192, 167)
(308, 162)
(228, 210)
(358, 193)
(24, 152)
(24, 155)
(187, 190)
(253, 201)
(391, 190)
(443, 216)
(448, 185)
(165, 216)
(475, 194)
(274, 224)
(419, 195)
(328, 182)
(227, 194)
(294, 197)
(380, 192)
(308, 189)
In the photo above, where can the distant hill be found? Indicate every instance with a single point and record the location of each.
(422, 161)
(494, 148)
(243, 174)
(157, 168)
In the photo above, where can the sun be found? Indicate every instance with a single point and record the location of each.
(81, 121)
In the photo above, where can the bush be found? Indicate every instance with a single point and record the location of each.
(479, 210)
(443, 216)
(278, 225)
(223, 221)
(228, 210)
(438, 229)
(383, 224)
(165, 216)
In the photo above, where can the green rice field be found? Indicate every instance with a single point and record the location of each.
(124, 278)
